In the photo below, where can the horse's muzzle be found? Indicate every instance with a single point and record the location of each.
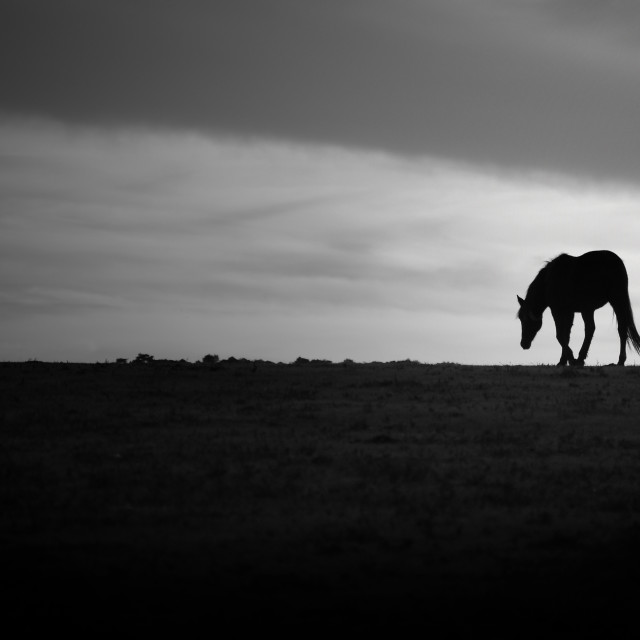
(525, 345)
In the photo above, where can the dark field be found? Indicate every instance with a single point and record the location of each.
(320, 496)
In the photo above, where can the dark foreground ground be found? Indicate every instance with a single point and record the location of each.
(318, 496)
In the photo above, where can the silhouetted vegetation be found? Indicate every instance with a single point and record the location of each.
(143, 358)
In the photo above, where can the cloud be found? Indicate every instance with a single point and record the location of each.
(52, 300)
(529, 85)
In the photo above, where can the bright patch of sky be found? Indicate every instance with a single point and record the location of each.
(180, 245)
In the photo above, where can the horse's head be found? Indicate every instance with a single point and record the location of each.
(530, 321)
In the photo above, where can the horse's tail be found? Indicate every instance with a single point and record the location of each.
(633, 338)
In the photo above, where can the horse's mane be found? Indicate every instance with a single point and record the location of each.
(548, 262)
(537, 281)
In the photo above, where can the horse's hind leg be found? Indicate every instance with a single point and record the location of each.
(589, 330)
(622, 332)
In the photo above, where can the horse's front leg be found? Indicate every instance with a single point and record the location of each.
(589, 330)
(564, 322)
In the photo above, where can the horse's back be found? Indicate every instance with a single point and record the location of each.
(603, 260)
(586, 282)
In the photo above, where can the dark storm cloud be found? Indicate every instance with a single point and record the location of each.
(490, 81)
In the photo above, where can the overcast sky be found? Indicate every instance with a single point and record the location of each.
(365, 179)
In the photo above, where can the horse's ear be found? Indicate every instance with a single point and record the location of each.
(520, 300)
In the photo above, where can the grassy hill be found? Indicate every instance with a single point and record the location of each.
(375, 495)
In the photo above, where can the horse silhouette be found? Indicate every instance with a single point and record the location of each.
(570, 284)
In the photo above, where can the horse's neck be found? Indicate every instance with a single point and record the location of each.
(537, 294)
